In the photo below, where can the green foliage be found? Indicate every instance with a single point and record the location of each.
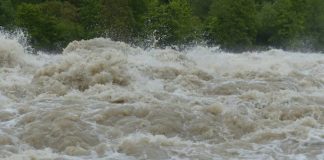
(315, 23)
(233, 24)
(283, 23)
(51, 24)
(6, 13)
(172, 23)
(289, 24)
(139, 9)
(200, 8)
(118, 19)
(91, 18)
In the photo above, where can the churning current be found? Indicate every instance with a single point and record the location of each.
(106, 100)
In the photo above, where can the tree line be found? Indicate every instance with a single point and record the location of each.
(236, 25)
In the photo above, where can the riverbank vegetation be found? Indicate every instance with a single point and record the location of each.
(234, 25)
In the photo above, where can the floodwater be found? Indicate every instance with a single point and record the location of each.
(106, 100)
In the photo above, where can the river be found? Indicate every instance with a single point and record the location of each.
(106, 100)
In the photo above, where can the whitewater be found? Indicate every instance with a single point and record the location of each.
(107, 100)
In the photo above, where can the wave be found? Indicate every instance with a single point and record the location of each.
(101, 99)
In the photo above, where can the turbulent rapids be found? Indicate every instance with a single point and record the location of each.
(106, 100)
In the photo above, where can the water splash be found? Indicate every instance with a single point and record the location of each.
(102, 99)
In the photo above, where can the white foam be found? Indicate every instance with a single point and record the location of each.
(102, 99)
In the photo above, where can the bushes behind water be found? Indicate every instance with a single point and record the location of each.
(234, 25)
